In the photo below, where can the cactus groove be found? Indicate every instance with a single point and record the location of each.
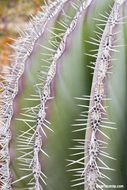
(50, 35)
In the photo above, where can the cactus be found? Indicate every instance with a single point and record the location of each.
(48, 76)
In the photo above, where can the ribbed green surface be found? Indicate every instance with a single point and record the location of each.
(74, 80)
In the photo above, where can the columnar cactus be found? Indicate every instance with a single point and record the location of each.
(97, 115)
(44, 77)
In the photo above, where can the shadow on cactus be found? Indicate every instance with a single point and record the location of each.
(63, 128)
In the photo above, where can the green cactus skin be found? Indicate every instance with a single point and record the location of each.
(48, 70)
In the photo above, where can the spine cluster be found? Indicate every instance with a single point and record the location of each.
(97, 114)
(46, 94)
(23, 48)
(91, 174)
(31, 140)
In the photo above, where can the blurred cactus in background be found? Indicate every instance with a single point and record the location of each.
(63, 99)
